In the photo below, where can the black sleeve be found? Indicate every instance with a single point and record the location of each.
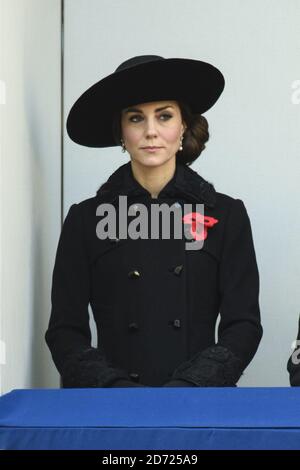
(240, 330)
(68, 335)
(293, 365)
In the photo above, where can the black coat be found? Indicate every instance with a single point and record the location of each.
(155, 303)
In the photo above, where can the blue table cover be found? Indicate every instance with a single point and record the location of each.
(151, 418)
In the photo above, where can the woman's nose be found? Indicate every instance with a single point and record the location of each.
(150, 127)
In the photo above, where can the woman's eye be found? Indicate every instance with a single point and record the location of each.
(132, 118)
(137, 117)
(166, 115)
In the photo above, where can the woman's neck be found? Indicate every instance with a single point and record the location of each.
(154, 179)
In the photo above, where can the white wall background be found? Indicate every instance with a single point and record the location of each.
(253, 152)
(30, 191)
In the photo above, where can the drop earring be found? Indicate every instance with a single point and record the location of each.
(181, 139)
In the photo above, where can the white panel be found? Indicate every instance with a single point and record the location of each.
(253, 152)
(30, 188)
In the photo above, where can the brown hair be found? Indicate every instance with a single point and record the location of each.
(194, 138)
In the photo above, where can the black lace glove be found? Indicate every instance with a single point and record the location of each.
(214, 367)
(89, 368)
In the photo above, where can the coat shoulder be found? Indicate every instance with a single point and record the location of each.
(225, 201)
(230, 208)
(205, 187)
(87, 206)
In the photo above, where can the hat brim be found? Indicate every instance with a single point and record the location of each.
(197, 83)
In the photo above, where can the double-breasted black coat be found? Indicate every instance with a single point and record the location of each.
(154, 302)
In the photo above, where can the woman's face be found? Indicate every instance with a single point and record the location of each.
(157, 124)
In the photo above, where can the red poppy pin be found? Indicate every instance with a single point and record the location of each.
(199, 224)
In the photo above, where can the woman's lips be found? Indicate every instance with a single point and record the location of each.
(151, 149)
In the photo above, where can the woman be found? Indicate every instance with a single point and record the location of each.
(155, 299)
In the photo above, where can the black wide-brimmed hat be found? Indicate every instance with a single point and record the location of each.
(139, 80)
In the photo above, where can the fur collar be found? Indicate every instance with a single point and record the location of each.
(185, 182)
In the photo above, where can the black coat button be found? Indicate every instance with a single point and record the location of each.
(134, 376)
(133, 274)
(175, 323)
(133, 326)
(177, 269)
